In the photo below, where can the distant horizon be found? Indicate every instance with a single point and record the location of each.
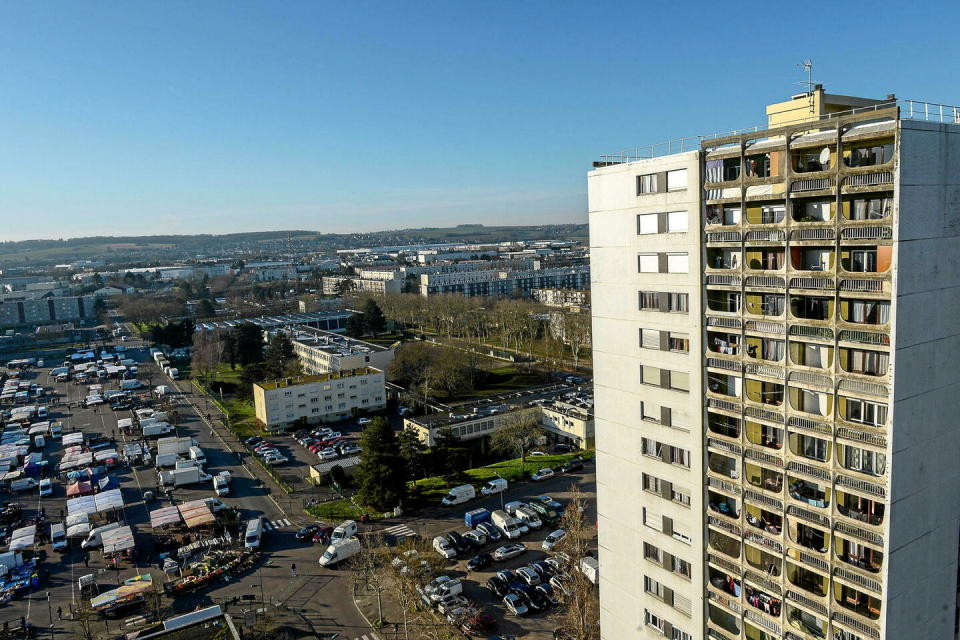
(291, 230)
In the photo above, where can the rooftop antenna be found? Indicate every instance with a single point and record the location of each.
(807, 66)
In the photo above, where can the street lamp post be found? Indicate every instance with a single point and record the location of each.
(50, 615)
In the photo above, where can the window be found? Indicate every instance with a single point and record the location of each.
(679, 496)
(648, 263)
(676, 180)
(649, 338)
(651, 447)
(677, 263)
(864, 460)
(650, 375)
(651, 553)
(647, 223)
(650, 412)
(680, 381)
(647, 184)
(651, 620)
(680, 566)
(869, 413)
(679, 342)
(650, 483)
(653, 587)
(678, 456)
(664, 301)
(677, 222)
(871, 209)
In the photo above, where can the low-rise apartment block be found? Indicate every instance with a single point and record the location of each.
(324, 351)
(46, 310)
(333, 285)
(328, 397)
(501, 283)
(562, 297)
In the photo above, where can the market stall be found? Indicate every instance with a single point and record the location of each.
(18, 576)
(215, 566)
(165, 517)
(118, 541)
(79, 489)
(73, 439)
(23, 538)
(196, 513)
(131, 591)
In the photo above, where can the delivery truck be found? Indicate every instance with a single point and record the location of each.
(221, 483)
(179, 446)
(340, 550)
(183, 477)
(157, 429)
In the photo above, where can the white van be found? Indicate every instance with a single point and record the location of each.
(459, 495)
(251, 538)
(346, 529)
(95, 537)
(495, 486)
(196, 453)
(442, 546)
(340, 550)
(23, 484)
(511, 527)
(58, 536)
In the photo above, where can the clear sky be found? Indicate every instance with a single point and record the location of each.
(204, 116)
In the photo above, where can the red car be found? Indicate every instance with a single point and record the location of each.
(322, 536)
(479, 624)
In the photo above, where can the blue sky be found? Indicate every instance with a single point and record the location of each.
(187, 117)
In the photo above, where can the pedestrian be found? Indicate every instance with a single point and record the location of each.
(59, 613)
(293, 570)
(86, 560)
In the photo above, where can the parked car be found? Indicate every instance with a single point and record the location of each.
(328, 454)
(488, 529)
(306, 533)
(479, 624)
(475, 538)
(274, 460)
(516, 604)
(508, 551)
(536, 600)
(350, 450)
(498, 586)
(528, 575)
(549, 502)
(561, 583)
(364, 421)
(548, 594)
(571, 465)
(552, 539)
(322, 535)
(457, 541)
(46, 487)
(479, 561)
(442, 546)
(543, 474)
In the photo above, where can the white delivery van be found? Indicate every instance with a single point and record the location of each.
(23, 484)
(510, 526)
(58, 536)
(497, 485)
(196, 453)
(590, 567)
(95, 537)
(251, 538)
(459, 495)
(529, 517)
(221, 484)
(340, 550)
(442, 546)
(346, 529)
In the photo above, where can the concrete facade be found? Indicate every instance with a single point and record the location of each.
(48, 310)
(325, 351)
(281, 404)
(823, 393)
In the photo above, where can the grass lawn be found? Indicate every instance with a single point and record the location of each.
(341, 509)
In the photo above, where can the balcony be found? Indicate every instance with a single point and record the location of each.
(860, 603)
(765, 304)
(723, 259)
(858, 411)
(765, 435)
(806, 623)
(812, 184)
(764, 478)
(811, 307)
(867, 207)
(767, 563)
(725, 385)
(814, 210)
(865, 461)
(813, 160)
(861, 509)
(750, 632)
(725, 582)
(763, 601)
(870, 154)
(723, 301)
(722, 215)
(723, 425)
(723, 543)
(765, 392)
(867, 312)
(724, 505)
(810, 354)
(764, 259)
(866, 259)
(766, 213)
(723, 343)
(864, 362)
(809, 581)
(812, 259)
(859, 555)
(722, 465)
(810, 492)
(809, 536)
(764, 520)
(810, 447)
(812, 402)
(724, 619)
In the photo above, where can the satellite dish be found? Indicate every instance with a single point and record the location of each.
(825, 156)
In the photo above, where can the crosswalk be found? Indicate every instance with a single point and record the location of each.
(270, 525)
(400, 531)
(368, 636)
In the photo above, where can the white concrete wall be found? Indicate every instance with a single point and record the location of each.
(614, 246)
(925, 474)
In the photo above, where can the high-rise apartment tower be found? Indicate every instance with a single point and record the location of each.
(776, 341)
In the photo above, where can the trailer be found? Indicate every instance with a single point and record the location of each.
(180, 446)
(182, 477)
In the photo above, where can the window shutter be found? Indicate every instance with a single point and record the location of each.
(665, 416)
(662, 263)
(664, 300)
(666, 559)
(666, 489)
(668, 595)
(664, 341)
(662, 222)
(665, 378)
(661, 182)
(667, 526)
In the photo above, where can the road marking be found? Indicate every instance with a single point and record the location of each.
(400, 531)
(270, 525)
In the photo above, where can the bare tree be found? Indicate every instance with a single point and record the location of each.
(577, 334)
(580, 616)
(520, 432)
(370, 569)
(207, 353)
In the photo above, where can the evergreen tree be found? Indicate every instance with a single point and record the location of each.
(382, 472)
(414, 452)
(373, 319)
(249, 343)
(355, 326)
(278, 354)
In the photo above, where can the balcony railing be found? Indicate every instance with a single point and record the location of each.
(725, 601)
(812, 234)
(764, 414)
(729, 281)
(861, 485)
(816, 184)
(723, 236)
(727, 323)
(771, 235)
(749, 495)
(812, 561)
(866, 233)
(814, 379)
(858, 532)
(726, 526)
(804, 601)
(809, 470)
(865, 337)
(866, 388)
(808, 515)
(764, 622)
(762, 581)
(723, 485)
(865, 286)
(869, 179)
(720, 561)
(766, 371)
(807, 423)
(765, 326)
(854, 623)
(726, 405)
(862, 436)
(725, 446)
(766, 458)
(772, 282)
(812, 283)
(859, 580)
(729, 365)
(805, 331)
(756, 538)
